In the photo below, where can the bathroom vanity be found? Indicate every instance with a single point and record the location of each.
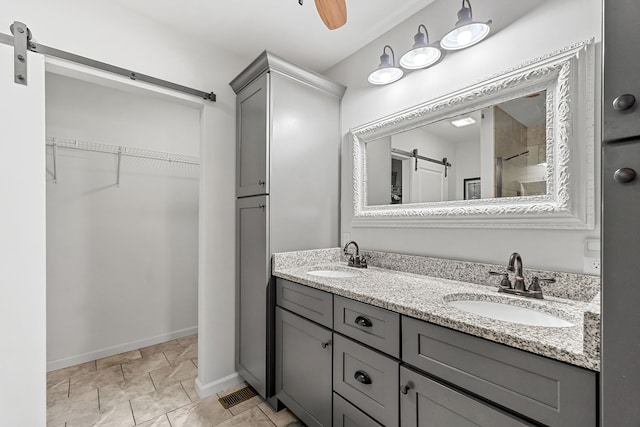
(387, 346)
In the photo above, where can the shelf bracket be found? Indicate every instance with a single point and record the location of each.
(55, 163)
(21, 37)
(119, 162)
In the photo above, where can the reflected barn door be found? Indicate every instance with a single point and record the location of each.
(428, 183)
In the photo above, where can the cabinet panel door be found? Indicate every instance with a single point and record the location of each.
(428, 403)
(252, 217)
(303, 368)
(621, 67)
(252, 110)
(347, 415)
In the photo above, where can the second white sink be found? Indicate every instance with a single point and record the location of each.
(510, 313)
(334, 273)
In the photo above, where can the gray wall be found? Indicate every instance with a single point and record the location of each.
(525, 30)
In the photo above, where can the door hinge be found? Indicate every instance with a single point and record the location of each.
(21, 36)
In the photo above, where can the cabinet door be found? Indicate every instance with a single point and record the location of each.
(428, 403)
(620, 69)
(252, 157)
(303, 368)
(252, 217)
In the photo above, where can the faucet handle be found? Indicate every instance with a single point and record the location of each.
(505, 283)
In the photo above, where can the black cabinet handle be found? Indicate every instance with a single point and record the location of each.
(624, 175)
(363, 321)
(362, 377)
(261, 182)
(325, 344)
(404, 389)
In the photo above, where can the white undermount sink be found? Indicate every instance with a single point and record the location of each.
(510, 313)
(334, 273)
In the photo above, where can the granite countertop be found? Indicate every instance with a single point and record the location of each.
(425, 297)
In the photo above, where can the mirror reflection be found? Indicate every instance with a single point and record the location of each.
(498, 151)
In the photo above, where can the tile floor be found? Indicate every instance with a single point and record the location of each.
(150, 387)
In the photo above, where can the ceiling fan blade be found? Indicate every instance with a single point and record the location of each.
(332, 12)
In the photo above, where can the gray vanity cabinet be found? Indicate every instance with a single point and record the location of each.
(303, 368)
(288, 162)
(428, 403)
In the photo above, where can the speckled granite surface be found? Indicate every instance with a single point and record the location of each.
(425, 297)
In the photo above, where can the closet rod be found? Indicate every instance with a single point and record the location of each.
(50, 51)
(121, 151)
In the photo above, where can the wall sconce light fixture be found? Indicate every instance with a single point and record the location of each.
(422, 54)
(387, 72)
(466, 32)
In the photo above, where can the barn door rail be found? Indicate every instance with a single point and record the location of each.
(22, 42)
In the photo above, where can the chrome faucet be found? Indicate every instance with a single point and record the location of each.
(355, 260)
(519, 287)
(518, 283)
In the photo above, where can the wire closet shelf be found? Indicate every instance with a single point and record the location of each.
(119, 150)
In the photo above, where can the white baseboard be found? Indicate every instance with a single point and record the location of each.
(116, 349)
(218, 385)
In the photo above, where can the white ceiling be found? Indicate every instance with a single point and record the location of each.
(247, 27)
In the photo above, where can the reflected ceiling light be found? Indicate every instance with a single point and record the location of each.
(466, 32)
(387, 72)
(421, 54)
(466, 121)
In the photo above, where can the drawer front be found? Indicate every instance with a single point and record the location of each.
(545, 390)
(367, 379)
(428, 403)
(347, 415)
(314, 304)
(374, 326)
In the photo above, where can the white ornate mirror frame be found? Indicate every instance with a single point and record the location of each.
(568, 77)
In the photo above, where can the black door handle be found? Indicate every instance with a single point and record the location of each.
(362, 377)
(404, 389)
(363, 321)
(624, 102)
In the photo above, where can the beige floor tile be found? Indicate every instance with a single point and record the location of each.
(169, 375)
(159, 348)
(144, 365)
(92, 380)
(58, 391)
(190, 387)
(121, 391)
(72, 407)
(152, 405)
(55, 377)
(232, 389)
(161, 421)
(116, 416)
(187, 341)
(247, 404)
(283, 418)
(208, 412)
(253, 417)
(175, 356)
(117, 359)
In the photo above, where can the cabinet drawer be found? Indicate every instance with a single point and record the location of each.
(367, 379)
(347, 415)
(545, 390)
(429, 403)
(311, 303)
(374, 326)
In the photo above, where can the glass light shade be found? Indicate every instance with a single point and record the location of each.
(465, 35)
(385, 75)
(420, 57)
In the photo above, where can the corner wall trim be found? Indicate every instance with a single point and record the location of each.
(221, 384)
(117, 349)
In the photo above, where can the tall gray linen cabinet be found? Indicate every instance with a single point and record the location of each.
(287, 187)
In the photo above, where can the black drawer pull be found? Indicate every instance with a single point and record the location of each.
(363, 321)
(325, 344)
(362, 377)
(404, 389)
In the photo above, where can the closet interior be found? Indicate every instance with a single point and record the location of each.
(122, 218)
